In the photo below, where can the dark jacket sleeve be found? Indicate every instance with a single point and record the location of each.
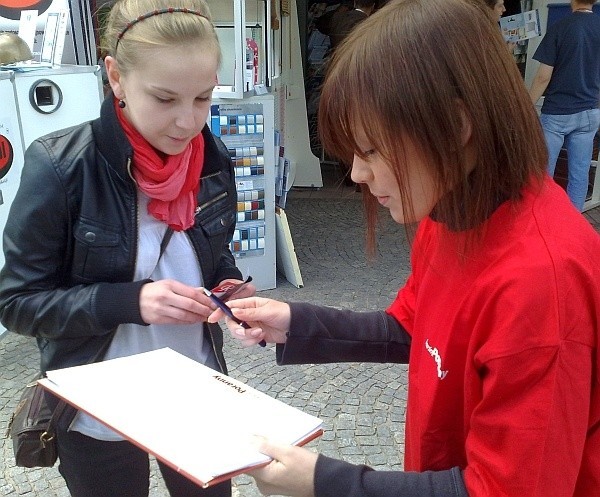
(35, 297)
(334, 478)
(323, 334)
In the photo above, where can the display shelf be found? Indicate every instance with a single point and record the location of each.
(246, 127)
(11, 150)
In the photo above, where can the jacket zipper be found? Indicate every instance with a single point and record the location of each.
(209, 331)
(129, 170)
(210, 202)
(137, 213)
(210, 334)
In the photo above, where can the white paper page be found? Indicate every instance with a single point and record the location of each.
(185, 413)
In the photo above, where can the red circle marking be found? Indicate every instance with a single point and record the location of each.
(6, 155)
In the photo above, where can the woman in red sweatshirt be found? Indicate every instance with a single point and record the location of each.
(499, 317)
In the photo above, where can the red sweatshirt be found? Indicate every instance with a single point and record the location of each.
(504, 376)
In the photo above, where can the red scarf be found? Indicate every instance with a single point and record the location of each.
(171, 183)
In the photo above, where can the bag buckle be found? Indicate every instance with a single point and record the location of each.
(46, 437)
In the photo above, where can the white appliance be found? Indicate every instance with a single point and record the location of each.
(56, 98)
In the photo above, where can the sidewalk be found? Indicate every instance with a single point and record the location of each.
(362, 405)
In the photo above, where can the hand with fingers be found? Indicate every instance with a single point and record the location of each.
(172, 302)
(292, 471)
(268, 320)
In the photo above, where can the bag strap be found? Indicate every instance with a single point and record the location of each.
(60, 408)
(165, 241)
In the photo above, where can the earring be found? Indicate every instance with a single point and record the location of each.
(122, 104)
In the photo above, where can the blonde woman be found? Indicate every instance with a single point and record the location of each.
(84, 261)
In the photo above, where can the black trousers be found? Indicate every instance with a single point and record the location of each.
(95, 468)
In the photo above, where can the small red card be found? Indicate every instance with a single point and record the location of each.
(227, 289)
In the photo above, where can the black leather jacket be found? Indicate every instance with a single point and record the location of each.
(70, 242)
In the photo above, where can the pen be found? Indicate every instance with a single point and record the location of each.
(223, 306)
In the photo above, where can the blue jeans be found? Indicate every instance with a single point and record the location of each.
(577, 132)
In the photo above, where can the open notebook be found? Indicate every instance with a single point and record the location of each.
(198, 421)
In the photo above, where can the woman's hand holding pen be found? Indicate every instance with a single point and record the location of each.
(269, 320)
(172, 302)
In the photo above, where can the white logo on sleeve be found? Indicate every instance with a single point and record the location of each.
(433, 351)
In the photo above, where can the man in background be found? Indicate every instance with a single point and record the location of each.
(569, 78)
(343, 22)
(323, 22)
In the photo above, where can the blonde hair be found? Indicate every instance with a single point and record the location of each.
(412, 71)
(178, 22)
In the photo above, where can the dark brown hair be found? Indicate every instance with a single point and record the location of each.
(411, 71)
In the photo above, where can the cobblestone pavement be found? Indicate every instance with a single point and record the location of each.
(362, 405)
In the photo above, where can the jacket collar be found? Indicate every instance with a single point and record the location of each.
(110, 138)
